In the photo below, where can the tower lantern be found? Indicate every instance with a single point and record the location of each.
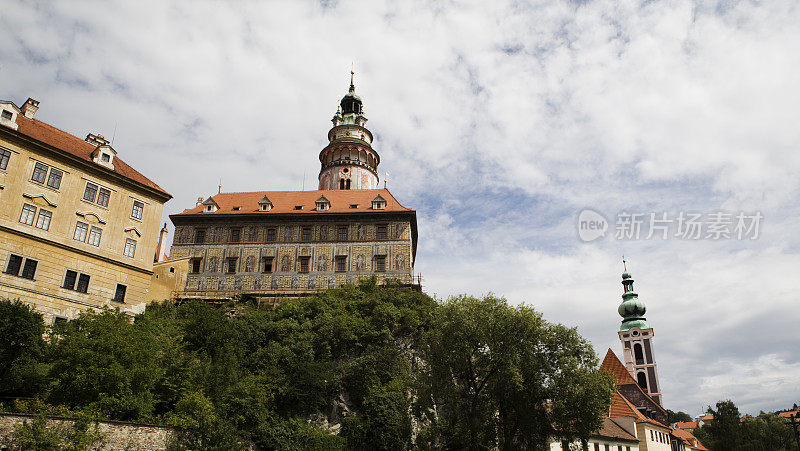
(348, 161)
(636, 336)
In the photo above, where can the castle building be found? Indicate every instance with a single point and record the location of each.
(268, 244)
(79, 227)
(636, 336)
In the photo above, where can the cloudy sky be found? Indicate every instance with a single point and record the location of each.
(499, 122)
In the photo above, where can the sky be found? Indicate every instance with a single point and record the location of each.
(499, 123)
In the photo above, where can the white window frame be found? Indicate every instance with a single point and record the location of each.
(130, 248)
(28, 214)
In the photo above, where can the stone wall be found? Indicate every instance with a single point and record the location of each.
(113, 434)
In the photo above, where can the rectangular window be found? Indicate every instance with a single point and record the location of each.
(380, 232)
(130, 248)
(380, 263)
(196, 265)
(231, 265)
(102, 197)
(236, 235)
(607, 448)
(69, 280)
(81, 228)
(306, 233)
(39, 172)
(28, 214)
(43, 221)
(266, 264)
(14, 264)
(7, 115)
(119, 294)
(271, 234)
(138, 208)
(54, 181)
(5, 155)
(596, 447)
(341, 263)
(200, 236)
(342, 233)
(29, 269)
(304, 264)
(90, 192)
(83, 283)
(94, 236)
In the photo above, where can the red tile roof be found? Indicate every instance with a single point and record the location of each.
(687, 425)
(286, 201)
(613, 365)
(75, 146)
(688, 439)
(621, 407)
(611, 429)
(793, 413)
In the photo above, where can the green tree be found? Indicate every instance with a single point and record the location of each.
(723, 433)
(22, 372)
(500, 376)
(102, 362)
(674, 417)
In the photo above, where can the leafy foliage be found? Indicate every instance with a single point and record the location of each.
(21, 349)
(674, 417)
(502, 376)
(364, 361)
(728, 432)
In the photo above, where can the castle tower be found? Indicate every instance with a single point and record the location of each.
(636, 336)
(348, 161)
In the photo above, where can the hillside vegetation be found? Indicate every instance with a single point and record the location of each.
(359, 367)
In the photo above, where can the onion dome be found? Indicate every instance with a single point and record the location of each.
(632, 309)
(351, 103)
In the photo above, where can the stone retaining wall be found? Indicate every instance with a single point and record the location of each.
(113, 434)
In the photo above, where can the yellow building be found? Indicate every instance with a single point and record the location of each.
(79, 228)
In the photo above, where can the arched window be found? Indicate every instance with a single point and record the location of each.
(637, 354)
(347, 184)
(341, 183)
(642, 379)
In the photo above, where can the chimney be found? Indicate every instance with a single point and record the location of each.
(29, 108)
(161, 248)
(199, 201)
(97, 140)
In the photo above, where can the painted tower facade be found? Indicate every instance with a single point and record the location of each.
(348, 161)
(636, 336)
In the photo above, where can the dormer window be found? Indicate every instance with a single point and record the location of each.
(323, 204)
(105, 158)
(379, 203)
(264, 204)
(236, 208)
(298, 207)
(8, 114)
(210, 206)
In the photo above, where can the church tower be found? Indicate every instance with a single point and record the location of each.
(348, 161)
(636, 336)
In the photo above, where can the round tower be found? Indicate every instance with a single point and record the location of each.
(348, 161)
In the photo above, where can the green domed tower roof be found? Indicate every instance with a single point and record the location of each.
(632, 309)
(351, 103)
